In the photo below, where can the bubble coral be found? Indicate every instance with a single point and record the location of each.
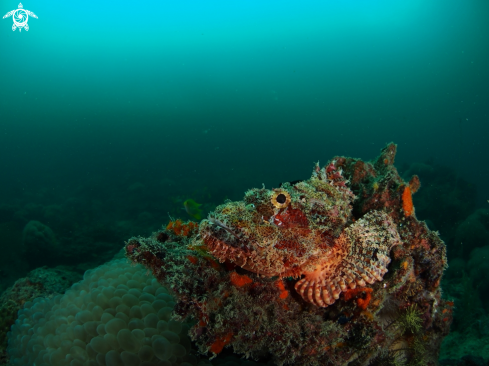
(117, 315)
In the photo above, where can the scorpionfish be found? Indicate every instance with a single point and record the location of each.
(306, 231)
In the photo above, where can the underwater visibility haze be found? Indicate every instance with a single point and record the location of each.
(298, 182)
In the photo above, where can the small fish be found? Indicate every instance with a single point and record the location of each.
(193, 209)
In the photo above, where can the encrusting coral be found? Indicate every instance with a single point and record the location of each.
(334, 270)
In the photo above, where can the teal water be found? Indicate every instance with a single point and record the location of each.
(114, 113)
(240, 92)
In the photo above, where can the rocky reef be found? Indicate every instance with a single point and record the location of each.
(333, 270)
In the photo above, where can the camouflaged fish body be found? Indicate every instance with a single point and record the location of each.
(305, 231)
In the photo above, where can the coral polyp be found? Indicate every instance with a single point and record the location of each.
(333, 270)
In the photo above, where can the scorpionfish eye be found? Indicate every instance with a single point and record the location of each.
(280, 199)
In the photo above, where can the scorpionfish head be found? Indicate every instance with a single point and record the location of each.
(284, 231)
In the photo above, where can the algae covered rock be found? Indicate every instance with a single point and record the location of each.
(39, 243)
(334, 270)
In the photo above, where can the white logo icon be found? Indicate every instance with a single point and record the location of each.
(20, 17)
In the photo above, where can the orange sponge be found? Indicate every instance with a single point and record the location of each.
(407, 202)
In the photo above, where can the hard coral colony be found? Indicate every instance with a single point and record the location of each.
(334, 270)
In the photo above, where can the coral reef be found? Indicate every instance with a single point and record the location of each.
(333, 270)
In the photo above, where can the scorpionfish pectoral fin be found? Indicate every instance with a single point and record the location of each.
(360, 256)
